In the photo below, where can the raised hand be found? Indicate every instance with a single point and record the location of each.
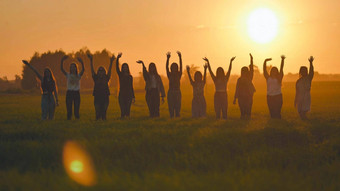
(283, 57)
(188, 68)
(119, 55)
(140, 62)
(112, 58)
(232, 59)
(251, 56)
(268, 59)
(64, 58)
(311, 59)
(90, 56)
(179, 54)
(206, 59)
(80, 60)
(25, 62)
(168, 55)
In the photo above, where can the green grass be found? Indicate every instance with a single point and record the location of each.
(180, 154)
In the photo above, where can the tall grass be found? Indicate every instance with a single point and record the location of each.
(180, 154)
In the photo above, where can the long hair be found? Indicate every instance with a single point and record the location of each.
(220, 73)
(76, 66)
(49, 82)
(198, 76)
(153, 65)
(244, 71)
(303, 71)
(127, 66)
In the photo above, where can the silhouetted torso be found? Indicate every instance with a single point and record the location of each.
(101, 85)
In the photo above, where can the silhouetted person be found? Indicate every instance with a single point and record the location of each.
(101, 91)
(174, 93)
(154, 87)
(126, 94)
(245, 90)
(198, 105)
(48, 89)
(303, 85)
(73, 87)
(221, 96)
(274, 83)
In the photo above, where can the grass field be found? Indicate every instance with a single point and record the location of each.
(180, 154)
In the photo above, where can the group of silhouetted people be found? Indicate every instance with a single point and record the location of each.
(155, 90)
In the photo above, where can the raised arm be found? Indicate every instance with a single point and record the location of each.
(251, 67)
(117, 63)
(229, 69)
(82, 66)
(168, 55)
(209, 68)
(110, 67)
(265, 73)
(145, 72)
(283, 57)
(311, 67)
(190, 79)
(180, 62)
(91, 64)
(205, 73)
(62, 64)
(34, 70)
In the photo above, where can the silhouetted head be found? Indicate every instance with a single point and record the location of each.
(244, 71)
(174, 67)
(152, 68)
(198, 76)
(220, 72)
(48, 74)
(274, 72)
(125, 68)
(101, 72)
(303, 71)
(73, 68)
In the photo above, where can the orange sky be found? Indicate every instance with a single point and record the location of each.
(147, 29)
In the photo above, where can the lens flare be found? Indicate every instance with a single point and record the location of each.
(78, 164)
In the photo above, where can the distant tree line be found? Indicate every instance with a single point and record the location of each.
(53, 60)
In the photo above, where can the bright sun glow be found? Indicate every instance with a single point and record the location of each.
(262, 25)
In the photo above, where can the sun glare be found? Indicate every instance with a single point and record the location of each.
(78, 164)
(262, 25)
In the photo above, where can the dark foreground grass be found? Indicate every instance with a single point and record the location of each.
(181, 154)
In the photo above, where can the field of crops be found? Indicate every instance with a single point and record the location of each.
(180, 154)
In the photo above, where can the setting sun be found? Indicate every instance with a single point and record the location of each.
(262, 25)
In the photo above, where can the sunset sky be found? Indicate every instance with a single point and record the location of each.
(147, 29)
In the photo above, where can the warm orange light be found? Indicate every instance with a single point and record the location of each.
(78, 164)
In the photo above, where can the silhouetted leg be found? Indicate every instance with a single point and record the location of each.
(171, 103)
(105, 106)
(97, 107)
(224, 99)
(76, 104)
(178, 103)
(121, 106)
(149, 102)
(44, 106)
(128, 106)
(51, 107)
(270, 103)
(217, 105)
(69, 99)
